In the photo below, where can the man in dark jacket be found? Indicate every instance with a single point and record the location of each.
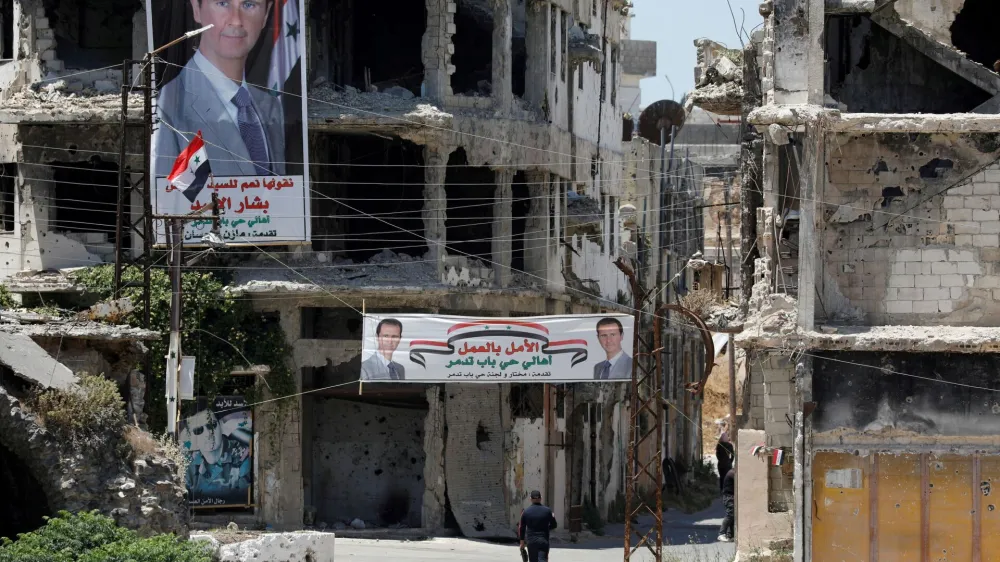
(533, 530)
(724, 455)
(728, 500)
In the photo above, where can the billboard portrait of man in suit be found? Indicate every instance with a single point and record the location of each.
(243, 125)
(380, 365)
(617, 364)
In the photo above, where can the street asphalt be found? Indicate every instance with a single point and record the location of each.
(690, 538)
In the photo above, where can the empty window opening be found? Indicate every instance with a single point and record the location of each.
(527, 401)
(553, 40)
(974, 31)
(6, 29)
(604, 70)
(372, 198)
(473, 39)
(519, 220)
(92, 33)
(872, 70)
(564, 44)
(553, 191)
(8, 183)
(86, 197)
(326, 323)
(354, 52)
(471, 193)
(518, 47)
(22, 505)
(614, 77)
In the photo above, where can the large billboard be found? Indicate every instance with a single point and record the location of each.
(239, 83)
(217, 439)
(428, 348)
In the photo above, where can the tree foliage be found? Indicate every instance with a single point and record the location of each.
(220, 330)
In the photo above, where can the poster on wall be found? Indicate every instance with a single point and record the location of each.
(239, 84)
(428, 349)
(217, 439)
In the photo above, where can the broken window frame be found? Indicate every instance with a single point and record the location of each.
(8, 197)
(553, 40)
(8, 31)
(564, 44)
(614, 76)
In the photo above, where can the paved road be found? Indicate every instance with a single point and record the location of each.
(691, 537)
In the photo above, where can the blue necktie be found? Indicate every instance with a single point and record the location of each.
(606, 370)
(392, 372)
(251, 131)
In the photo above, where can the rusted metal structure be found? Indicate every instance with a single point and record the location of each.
(646, 399)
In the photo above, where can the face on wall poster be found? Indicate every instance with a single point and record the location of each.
(427, 348)
(240, 84)
(218, 441)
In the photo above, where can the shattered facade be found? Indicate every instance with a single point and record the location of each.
(479, 170)
(869, 319)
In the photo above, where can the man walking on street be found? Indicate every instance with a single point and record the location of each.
(533, 530)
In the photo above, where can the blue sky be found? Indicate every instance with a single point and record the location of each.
(674, 25)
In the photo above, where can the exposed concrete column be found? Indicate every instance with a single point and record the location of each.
(813, 178)
(502, 227)
(536, 228)
(537, 45)
(435, 203)
(279, 448)
(437, 48)
(802, 457)
(798, 52)
(502, 68)
(35, 212)
(434, 493)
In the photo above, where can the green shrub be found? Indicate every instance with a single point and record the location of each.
(91, 537)
(86, 415)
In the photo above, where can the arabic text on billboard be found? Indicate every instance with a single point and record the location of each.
(217, 439)
(426, 348)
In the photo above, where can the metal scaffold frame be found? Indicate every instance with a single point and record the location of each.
(128, 256)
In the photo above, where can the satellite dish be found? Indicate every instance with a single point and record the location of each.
(664, 114)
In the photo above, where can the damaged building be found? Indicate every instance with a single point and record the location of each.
(479, 170)
(870, 174)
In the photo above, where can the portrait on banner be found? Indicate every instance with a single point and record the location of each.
(236, 85)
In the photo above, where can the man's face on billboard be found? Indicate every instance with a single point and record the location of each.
(206, 432)
(610, 338)
(238, 24)
(388, 339)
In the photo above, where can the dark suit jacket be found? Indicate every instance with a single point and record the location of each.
(622, 369)
(190, 104)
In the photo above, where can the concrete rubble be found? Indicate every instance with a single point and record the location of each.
(303, 546)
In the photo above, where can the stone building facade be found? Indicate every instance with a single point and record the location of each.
(493, 132)
(870, 320)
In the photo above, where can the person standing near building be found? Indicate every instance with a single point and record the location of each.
(724, 454)
(729, 501)
(537, 521)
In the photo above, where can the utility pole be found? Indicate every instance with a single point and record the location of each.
(175, 236)
(126, 257)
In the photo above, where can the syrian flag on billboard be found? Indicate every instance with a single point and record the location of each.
(285, 52)
(191, 169)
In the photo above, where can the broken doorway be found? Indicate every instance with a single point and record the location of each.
(473, 40)
(368, 457)
(471, 193)
(92, 33)
(370, 197)
(377, 43)
(22, 505)
(86, 197)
